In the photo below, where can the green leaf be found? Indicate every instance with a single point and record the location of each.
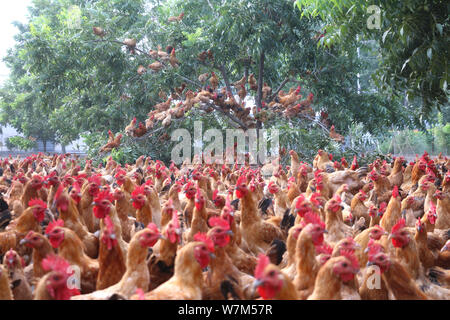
(439, 27)
(385, 34)
(429, 53)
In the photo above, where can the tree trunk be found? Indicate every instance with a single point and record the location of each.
(260, 85)
(63, 148)
(44, 143)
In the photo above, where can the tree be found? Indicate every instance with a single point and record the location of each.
(88, 83)
(412, 39)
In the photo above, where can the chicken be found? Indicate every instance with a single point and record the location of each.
(176, 18)
(393, 211)
(161, 264)
(396, 277)
(251, 81)
(111, 258)
(41, 250)
(443, 210)
(174, 62)
(290, 98)
(307, 266)
(142, 206)
(5, 285)
(55, 284)
(396, 175)
(14, 264)
(156, 66)
(68, 212)
(187, 281)
(221, 268)
(336, 136)
(136, 274)
(331, 275)
(257, 233)
(271, 282)
(322, 162)
(71, 248)
(129, 129)
(334, 222)
(30, 219)
(111, 145)
(214, 81)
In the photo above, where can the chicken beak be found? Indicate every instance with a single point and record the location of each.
(231, 233)
(325, 231)
(370, 263)
(257, 283)
(357, 246)
(162, 237)
(212, 255)
(112, 236)
(366, 250)
(23, 241)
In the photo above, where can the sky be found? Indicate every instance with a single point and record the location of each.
(15, 10)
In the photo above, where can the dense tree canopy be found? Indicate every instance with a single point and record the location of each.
(412, 39)
(67, 82)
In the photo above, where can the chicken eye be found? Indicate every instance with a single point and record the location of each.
(344, 264)
(272, 273)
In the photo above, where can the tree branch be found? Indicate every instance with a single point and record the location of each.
(148, 55)
(278, 89)
(229, 115)
(260, 79)
(225, 77)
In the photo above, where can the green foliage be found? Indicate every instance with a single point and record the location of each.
(412, 40)
(20, 143)
(67, 82)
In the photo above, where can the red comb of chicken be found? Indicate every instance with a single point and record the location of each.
(38, 203)
(395, 192)
(324, 248)
(354, 164)
(313, 218)
(202, 237)
(55, 263)
(109, 224)
(300, 200)
(219, 222)
(95, 179)
(153, 227)
(54, 224)
(105, 194)
(351, 257)
(242, 179)
(263, 262)
(137, 191)
(399, 225)
(120, 172)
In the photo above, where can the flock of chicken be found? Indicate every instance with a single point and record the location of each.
(210, 97)
(146, 231)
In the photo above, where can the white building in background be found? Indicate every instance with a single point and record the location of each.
(77, 146)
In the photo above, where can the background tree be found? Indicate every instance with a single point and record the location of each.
(82, 84)
(412, 41)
